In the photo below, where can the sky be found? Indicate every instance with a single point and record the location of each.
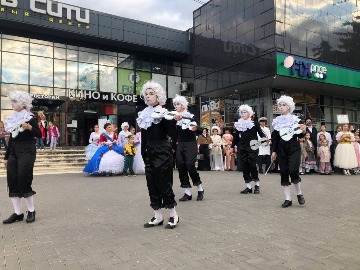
(177, 14)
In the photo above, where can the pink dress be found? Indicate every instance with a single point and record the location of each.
(357, 151)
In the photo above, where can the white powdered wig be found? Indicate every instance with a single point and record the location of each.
(247, 108)
(182, 100)
(217, 128)
(22, 98)
(124, 125)
(159, 91)
(288, 101)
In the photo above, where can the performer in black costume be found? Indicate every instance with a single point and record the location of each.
(157, 155)
(186, 150)
(288, 152)
(246, 131)
(21, 154)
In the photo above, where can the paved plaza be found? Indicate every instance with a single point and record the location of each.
(97, 223)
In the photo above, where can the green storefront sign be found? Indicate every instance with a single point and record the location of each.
(127, 78)
(307, 69)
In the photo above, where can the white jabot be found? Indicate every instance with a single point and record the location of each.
(145, 120)
(243, 125)
(13, 122)
(184, 114)
(285, 121)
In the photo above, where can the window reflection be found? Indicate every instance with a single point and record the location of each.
(88, 57)
(41, 90)
(59, 73)
(59, 53)
(6, 88)
(41, 50)
(108, 79)
(15, 46)
(5, 103)
(41, 71)
(15, 68)
(6, 113)
(71, 76)
(108, 59)
(88, 76)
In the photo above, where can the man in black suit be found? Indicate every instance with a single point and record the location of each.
(313, 133)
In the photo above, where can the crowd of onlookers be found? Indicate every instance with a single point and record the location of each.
(321, 151)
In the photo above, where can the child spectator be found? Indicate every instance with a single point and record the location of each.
(2, 135)
(311, 159)
(324, 154)
(129, 152)
(303, 156)
(40, 141)
(320, 139)
(53, 135)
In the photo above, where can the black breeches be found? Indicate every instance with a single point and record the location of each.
(186, 153)
(20, 169)
(248, 160)
(289, 162)
(159, 176)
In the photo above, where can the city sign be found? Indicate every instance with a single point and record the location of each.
(51, 8)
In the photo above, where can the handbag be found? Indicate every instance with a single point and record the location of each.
(200, 157)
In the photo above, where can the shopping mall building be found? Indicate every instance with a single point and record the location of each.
(83, 66)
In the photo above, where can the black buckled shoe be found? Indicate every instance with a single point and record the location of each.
(173, 221)
(257, 190)
(287, 203)
(246, 191)
(185, 198)
(30, 217)
(154, 222)
(301, 199)
(14, 217)
(200, 196)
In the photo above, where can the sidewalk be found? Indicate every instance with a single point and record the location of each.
(97, 223)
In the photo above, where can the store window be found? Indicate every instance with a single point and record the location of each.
(41, 50)
(15, 46)
(108, 79)
(88, 76)
(15, 68)
(41, 71)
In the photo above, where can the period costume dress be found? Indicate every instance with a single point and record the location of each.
(204, 141)
(139, 165)
(217, 163)
(108, 159)
(345, 157)
(227, 140)
(93, 145)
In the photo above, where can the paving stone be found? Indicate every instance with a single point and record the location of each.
(97, 223)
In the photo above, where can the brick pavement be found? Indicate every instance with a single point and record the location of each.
(96, 223)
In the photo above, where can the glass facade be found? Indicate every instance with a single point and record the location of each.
(49, 68)
(234, 43)
(325, 30)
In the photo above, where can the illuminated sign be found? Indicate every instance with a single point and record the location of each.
(53, 9)
(304, 68)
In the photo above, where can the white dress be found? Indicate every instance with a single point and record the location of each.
(345, 156)
(139, 165)
(111, 162)
(93, 145)
(216, 154)
(122, 138)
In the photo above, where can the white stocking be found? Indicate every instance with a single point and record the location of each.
(158, 214)
(187, 191)
(172, 212)
(200, 188)
(30, 203)
(287, 193)
(16, 201)
(298, 188)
